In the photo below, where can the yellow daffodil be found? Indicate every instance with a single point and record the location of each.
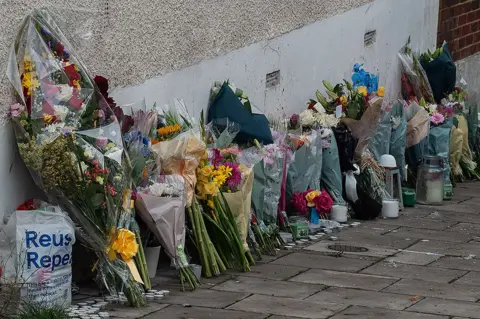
(381, 91)
(310, 197)
(362, 90)
(343, 100)
(124, 244)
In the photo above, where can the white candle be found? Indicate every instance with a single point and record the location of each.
(434, 191)
(390, 208)
(339, 214)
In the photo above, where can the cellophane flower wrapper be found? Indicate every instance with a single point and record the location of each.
(331, 172)
(240, 204)
(398, 138)
(221, 132)
(380, 142)
(365, 128)
(181, 155)
(418, 128)
(303, 168)
(269, 175)
(466, 160)
(416, 75)
(165, 215)
(70, 141)
(439, 144)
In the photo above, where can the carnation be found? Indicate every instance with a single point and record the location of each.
(307, 118)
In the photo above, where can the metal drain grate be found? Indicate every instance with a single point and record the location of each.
(348, 248)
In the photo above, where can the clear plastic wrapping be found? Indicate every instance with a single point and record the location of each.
(70, 140)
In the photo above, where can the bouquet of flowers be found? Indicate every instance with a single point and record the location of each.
(415, 84)
(312, 203)
(347, 99)
(441, 71)
(178, 146)
(70, 140)
(161, 205)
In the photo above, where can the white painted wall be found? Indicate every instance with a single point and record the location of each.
(322, 50)
(326, 49)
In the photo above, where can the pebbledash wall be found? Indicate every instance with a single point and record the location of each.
(165, 49)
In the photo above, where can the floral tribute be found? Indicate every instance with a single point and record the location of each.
(302, 203)
(70, 140)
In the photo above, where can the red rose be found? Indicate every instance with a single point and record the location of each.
(311, 106)
(298, 203)
(323, 203)
(102, 84)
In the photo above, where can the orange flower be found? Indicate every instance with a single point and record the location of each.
(165, 131)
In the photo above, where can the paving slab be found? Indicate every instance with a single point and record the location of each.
(465, 228)
(414, 258)
(180, 312)
(375, 240)
(470, 264)
(472, 278)
(344, 279)
(447, 307)
(319, 260)
(375, 313)
(462, 217)
(417, 222)
(129, 312)
(282, 306)
(415, 233)
(270, 287)
(447, 248)
(391, 268)
(435, 289)
(274, 272)
(372, 250)
(364, 298)
(204, 298)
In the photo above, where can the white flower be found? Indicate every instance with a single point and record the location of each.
(65, 94)
(307, 118)
(52, 128)
(432, 108)
(88, 153)
(450, 97)
(326, 120)
(60, 112)
(83, 166)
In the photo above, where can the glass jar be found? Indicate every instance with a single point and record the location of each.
(430, 183)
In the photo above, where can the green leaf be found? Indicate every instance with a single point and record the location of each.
(97, 200)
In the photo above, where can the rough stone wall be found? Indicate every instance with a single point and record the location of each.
(136, 40)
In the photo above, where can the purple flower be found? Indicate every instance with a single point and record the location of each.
(216, 157)
(236, 178)
(16, 109)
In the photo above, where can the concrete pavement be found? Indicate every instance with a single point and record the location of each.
(424, 265)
